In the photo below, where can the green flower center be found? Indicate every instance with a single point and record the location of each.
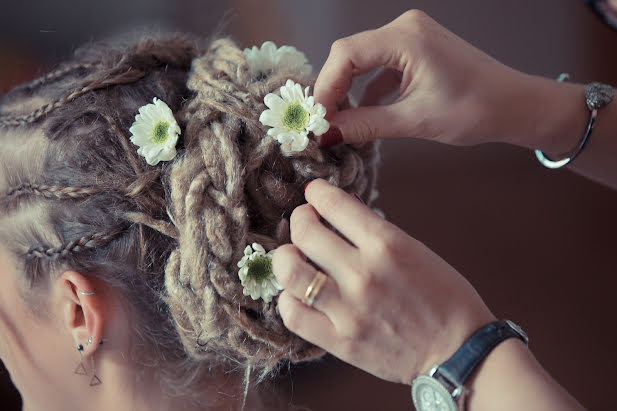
(159, 134)
(295, 117)
(260, 268)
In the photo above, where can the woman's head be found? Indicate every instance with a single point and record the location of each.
(79, 204)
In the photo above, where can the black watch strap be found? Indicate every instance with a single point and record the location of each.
(465, 360)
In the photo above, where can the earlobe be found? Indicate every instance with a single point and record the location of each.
(82, 310)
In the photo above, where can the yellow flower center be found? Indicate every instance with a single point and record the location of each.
(260, 268)
(159, 134)
(295, 117)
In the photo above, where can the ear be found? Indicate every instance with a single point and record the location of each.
(82, 309)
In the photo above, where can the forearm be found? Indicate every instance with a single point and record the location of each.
(510, 378)
(551, 116)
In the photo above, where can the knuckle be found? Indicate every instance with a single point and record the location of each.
(387, 243)
(414, 16)
(365, 286)
(356, 328)
(341, 46)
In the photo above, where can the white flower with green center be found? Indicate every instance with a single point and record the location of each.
(256, 273)
(267, 58)
(293, 115)
(155, 131)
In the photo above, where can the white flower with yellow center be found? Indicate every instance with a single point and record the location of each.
(293, 115)
(267, 58)
(256, 273)
(155, 131)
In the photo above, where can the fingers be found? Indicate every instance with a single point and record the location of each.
(350, 57)
(353, 219)
(308, 323)
(321, 245)
(295, 275)
(364, 124)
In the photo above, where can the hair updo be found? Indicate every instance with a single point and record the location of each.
(168, 237)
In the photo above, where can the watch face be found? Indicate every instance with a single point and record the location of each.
(429, 395)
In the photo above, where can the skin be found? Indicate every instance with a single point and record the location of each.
(39, 350)
(391, 306)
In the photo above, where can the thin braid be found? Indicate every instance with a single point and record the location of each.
(20, 120)
(49, 191)
(57, 75)
(161, 226)
(129, 150)
(132, 66)
(89, 241)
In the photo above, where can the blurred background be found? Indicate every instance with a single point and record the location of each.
(539, 245)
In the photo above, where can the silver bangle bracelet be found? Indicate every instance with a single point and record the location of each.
(597, 95)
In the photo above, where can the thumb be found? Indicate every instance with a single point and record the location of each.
(363, 124)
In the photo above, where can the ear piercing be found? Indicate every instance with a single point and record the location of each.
(81, 370)
(90, 342)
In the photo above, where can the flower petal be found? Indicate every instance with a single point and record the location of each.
(319, 126)
(151, 154)
(287, 92)
(269, 48)
(300, 142)
(257, 247)
(274, 132)
(274, 102)
(270, 118)
(318, 110)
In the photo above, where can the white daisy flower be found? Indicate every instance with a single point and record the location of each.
(262, 61)
(155, 131)
(292, 116)
(256, 273)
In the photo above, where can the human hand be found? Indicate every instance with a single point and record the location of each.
(390, 306)
(448, 90)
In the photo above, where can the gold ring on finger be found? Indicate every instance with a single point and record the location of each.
(314, 288)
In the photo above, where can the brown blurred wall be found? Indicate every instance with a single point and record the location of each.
(538, 245)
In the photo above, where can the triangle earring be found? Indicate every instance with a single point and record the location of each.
(95, 380)
(81, 370)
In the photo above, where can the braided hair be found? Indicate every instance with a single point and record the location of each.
(74, 193)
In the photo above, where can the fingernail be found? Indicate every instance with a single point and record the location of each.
(331, 138)
(358, 197)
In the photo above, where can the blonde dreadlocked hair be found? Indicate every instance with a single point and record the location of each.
(76, 194)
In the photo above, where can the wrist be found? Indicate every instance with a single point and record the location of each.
(541, 113)
(511, 376)
(488, 378)
(450, 339)
(448, 384)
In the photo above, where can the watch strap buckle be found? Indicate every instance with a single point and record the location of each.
(456, 389)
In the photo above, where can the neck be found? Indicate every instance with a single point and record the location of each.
(135, 388)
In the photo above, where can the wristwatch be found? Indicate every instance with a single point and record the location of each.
(442, 389)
